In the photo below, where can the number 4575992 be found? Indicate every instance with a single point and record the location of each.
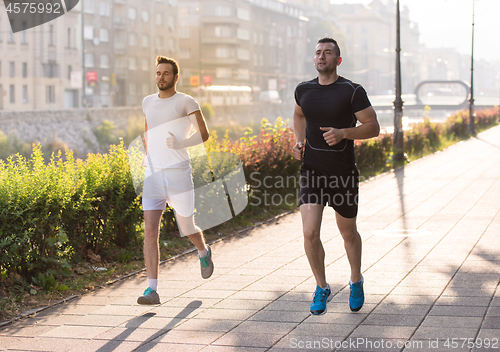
(33, 7)
(471, 343)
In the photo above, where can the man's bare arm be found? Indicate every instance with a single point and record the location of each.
(368, 128)
(200, 135)
(299, 129)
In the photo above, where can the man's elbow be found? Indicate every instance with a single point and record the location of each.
(205, 136)
(376, 129)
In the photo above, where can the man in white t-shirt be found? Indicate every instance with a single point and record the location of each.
(170, 117)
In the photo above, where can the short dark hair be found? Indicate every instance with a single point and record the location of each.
(168, 60)
(331, 40)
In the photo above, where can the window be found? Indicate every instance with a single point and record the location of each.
(185, 53)
(243, 14)
(89, 60)
(104, 35)
(159, 19)
(243, 54)
(222, 31)
(171, 23)
(159, 42)
(11, 34)
(0, 30)
(243, 34)
(145, 16)
(104, 9)
(132, 39)
(50, 94)
(132, 13)
(222, 52)
(25, 69)
(68, 44)
(104, 88)
(131, 89)
(23, 33)
(223, 72)
(255, 38)
(145, 89)
(25, 94)
(223, 11)
(12, 97)
(88, 6)
(104, 60)
(51, 35)
(184, 32)
(12, 69)
(145, 64)
(88, 32)
(243, 73)
(69, 72)
(51, 70)
(145, 40)
(132, 63)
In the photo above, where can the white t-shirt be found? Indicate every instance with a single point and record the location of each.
(164, 116)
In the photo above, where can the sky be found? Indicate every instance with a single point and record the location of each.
(448, 24)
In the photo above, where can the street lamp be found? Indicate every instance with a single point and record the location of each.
(398, 136)
(83, 57)
(472, 128)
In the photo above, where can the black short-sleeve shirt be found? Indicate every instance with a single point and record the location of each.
(331, 105)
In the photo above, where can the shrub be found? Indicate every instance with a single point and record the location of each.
(207, 111)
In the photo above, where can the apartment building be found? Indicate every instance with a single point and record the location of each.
(121, 41)
(36, 64)
(258, 44)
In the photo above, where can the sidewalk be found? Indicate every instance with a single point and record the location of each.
(431, 289)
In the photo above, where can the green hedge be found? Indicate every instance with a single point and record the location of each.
(54, 213)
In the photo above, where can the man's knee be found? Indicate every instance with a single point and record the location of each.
(350, 234)
(311, 234)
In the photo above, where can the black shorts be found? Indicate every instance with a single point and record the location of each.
(337, 189)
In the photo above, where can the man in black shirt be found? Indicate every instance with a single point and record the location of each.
(325, 121)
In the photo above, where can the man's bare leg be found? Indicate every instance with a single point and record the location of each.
(188, 228)
(192, 231)
(152, 219)
(352, 244)
(312, 215)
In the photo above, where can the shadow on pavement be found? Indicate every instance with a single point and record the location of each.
(487, 142)
(135, 323)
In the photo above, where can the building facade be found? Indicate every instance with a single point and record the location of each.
(241, 43)
(36, 64)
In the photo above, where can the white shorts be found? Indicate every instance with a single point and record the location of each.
(172, 186)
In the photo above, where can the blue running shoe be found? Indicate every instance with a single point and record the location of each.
(357, 295)
(321, 296)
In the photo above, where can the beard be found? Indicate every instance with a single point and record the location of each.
(167, 86)
(324, 69)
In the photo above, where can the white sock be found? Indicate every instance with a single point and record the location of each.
(203, 253)
(153, 283)
(362, 280)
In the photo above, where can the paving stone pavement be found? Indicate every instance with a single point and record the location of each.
(435, 289)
